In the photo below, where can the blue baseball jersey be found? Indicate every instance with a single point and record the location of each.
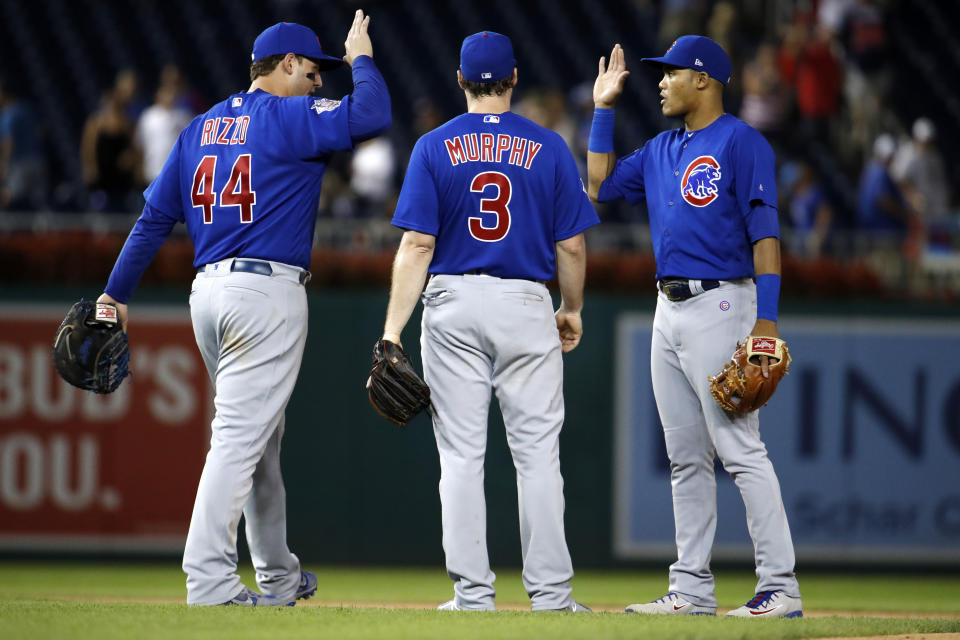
(246, 175)
(498, 192)
(710, 194)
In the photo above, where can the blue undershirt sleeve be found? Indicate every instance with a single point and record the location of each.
(370, 101)
(625, 181)
(151, 230)
(762, 222)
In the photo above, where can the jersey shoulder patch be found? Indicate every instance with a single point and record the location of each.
(323, 104)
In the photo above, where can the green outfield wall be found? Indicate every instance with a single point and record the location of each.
(360, 490)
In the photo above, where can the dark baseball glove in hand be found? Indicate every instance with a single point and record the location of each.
(396, 391)
(739, 386)
(90, 349)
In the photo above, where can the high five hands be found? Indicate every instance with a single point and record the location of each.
(358, 40)
(610, 79)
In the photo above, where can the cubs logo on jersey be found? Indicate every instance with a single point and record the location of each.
(699, 184)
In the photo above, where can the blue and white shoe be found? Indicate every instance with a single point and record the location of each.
(308, 586)
(673, 605)
(250, 598)
(770, 604)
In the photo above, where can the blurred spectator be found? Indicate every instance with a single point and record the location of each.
(186, 98)
(863, 36)
(336, 198)
(809, 65)
(832, 13)
(678, 17)
(809, 212)
(885, 214)
(764, 94)
(157, 130)
(548, 108)
(723, 28)
(881, 205)
(557, 117)
(23, 170)
(111, 162)
(427, 116)
(126, 84)
(921, 174)
(371, 176)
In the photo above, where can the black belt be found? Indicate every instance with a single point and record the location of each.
(257, 266)
(481, 272)
(677, 289)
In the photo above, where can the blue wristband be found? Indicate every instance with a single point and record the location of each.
(768, 296)
(601, 131)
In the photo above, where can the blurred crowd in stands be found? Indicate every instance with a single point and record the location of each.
(856, 176)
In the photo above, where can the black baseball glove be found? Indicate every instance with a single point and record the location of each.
(90, 349)
(396, 391)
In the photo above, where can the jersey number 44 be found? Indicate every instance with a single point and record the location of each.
(238, 191)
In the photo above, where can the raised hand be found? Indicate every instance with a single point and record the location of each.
(610, 79)
(358, 40)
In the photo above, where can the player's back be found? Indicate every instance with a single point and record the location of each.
(496, 178)
(250, 172)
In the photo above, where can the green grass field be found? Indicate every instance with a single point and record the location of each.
(101, 602)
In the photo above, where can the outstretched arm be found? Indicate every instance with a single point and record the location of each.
(358, 39)
(606, 90)
(370, 101)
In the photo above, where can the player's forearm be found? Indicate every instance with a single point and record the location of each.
(766, 256)
(409, 274)
(599, 167)
(145, 239)
(370, 101)
(600, 155)
(766, 264)
(571, 271)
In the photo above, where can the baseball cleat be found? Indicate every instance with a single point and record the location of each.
(770, 604)
(576, 607)
(308, 586)
(250, 598)
(672, 604)
(449, 605)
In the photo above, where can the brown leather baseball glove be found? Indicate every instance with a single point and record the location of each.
(396, 391)
(739, 386)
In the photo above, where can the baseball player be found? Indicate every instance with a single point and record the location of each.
(245, 178)
(711, 195)
(492, 206)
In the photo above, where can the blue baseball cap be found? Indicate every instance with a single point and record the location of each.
(487, 57)
(290, 37)
(698, 53)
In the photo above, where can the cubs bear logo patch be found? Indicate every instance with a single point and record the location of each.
(699, 184)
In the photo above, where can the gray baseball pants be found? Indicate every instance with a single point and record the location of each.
(482, 334)
(251, 330)
(692, 339)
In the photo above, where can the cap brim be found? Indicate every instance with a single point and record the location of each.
(653, 61)
(327, 63)
(659, 62)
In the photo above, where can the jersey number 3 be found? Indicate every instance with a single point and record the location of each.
(236, 193)
(497, 206)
